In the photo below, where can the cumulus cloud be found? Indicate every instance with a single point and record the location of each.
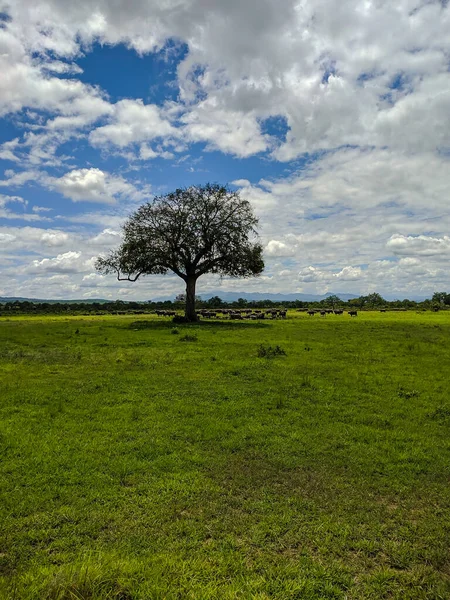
(362, 179)
(6, 238)
(336, 74)
(277, 248)
(36, 239)
(349, 203)
(312, 274)
(232, 132)
(94, 185)
(132, 121)
(54, 238)
(349, 274)
(26, 82)
(420, 245)
(68, 262)
(106, 237)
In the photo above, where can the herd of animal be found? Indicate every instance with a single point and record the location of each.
(232, 313)
(324, 313)
(255, 314)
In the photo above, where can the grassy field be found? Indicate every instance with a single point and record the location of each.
(139, 461)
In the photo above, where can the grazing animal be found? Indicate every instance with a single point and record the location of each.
(323, 313)
(353, 313)
(311, 313)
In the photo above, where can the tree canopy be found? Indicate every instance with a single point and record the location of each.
(191, 231)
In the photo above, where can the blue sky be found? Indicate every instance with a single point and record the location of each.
(331, 118)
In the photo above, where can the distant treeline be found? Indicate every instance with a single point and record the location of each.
(439, 300)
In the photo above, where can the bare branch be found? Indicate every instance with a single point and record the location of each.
(133, 279)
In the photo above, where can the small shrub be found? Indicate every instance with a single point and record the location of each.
(270, 351)
(442, 413)
(188, 338)
(402, 393)
(174, 331)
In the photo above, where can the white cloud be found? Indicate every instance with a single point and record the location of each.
(7, 213)
(94, 185)
(25, 81)
(337, 73)
(277, 248)
(41, 209)
(68, 262)
(349, 274)
(54, 238)
(36, 239)
(63, 68)
(313, 274)
(232, 132)
(17, 179)
(131, 122)
(420, 245)
(7, 150)
(6, 238)
(94, 278)
(146, 152)
(107, 237)
(5, 199)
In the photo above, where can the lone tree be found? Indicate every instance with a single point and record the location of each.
(191, 231)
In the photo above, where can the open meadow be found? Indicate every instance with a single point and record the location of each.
(144, 461)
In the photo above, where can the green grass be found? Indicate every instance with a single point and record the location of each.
(139, 464)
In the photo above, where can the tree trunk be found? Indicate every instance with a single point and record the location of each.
(189, 312)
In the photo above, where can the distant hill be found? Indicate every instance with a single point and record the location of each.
(234, 296)
(39, 300)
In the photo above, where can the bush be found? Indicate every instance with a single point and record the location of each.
(270, 352)
(442, 413)
(402, 393)
(188, 338)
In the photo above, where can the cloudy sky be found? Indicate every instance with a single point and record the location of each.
(331, 116)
